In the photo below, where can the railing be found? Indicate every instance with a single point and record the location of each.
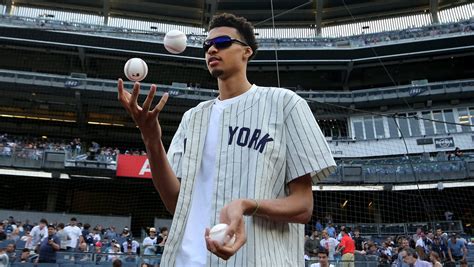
(375, 230)
(429, 32)
(383, 94)
(61, 81)
(400, 172)
(197, 93)
(22, 157)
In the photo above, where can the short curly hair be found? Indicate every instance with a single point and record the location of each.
(243, 27)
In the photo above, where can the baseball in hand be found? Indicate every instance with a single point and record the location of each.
(135, 69)
(217, 233)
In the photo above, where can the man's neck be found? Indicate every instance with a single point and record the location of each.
(233, 86)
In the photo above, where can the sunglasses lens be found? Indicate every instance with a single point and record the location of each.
(219, 42)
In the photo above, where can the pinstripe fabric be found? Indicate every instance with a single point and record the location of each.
(268, 138)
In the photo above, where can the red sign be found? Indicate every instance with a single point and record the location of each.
(133, 166)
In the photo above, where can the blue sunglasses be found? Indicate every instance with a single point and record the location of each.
(221, 42)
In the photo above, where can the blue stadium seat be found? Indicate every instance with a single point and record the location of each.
(20, 244)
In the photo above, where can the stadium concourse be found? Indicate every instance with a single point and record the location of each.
(390, 83)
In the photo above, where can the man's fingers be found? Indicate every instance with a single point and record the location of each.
(135, 92)
(149, 98)
(120, 88)
(159, 107)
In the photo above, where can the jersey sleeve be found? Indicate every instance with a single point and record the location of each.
(178, 146)
(307, 149)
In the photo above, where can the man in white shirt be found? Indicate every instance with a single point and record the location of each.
(74, 233)
(38, 233)
(330, 244)
(149, 243)
(247, 159)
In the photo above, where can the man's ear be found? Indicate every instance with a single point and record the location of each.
(248, 52)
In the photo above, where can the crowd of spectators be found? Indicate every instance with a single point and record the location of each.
(75, 242)
(32, 148)
(427, 247)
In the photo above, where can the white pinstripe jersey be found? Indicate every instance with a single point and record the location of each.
(268, 138)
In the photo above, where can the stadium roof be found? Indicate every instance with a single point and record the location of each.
(287, 12)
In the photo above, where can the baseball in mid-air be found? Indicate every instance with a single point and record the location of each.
(175, 41)
(217, 233)
(135, 69)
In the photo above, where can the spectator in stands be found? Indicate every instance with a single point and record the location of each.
(131, 245)
(149, 243)
(331, 230)
(117, 263)
(3, 235)
(404, 244)
(417, 235)
(423, 246)
(73, 233)
(63, 237)
(347, 248)
(126, 233)
(4, 261)
(86, 235)
(318, 226)
(312, 245)
(25, 256)
(49, 246)
(11, 252)
(162, 237)
(457, 250)
(96, 234)
(329, 243)
(435, 260)
(323, 258)
(358, 240)
(458, 154)
(114, 252)
(385, 253)
(411, 258)
(443, 236)
(110, 233)
(38, 233)
(27, 226)
(441, 247)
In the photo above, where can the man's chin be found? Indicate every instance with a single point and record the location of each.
(217, 73)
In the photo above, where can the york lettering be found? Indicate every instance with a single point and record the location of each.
(247, 137)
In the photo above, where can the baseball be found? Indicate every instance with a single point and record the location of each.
(135, 69)
(217, 233)
(175, 41)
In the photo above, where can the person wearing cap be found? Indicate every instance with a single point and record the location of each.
(131, 245)
(49, 246)
(73, 233)
(126, 233)
(149, 245)
(114, 252)
(456, 249)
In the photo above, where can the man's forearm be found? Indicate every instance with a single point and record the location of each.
(290, 209)
(164, 178)
(295, 208)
